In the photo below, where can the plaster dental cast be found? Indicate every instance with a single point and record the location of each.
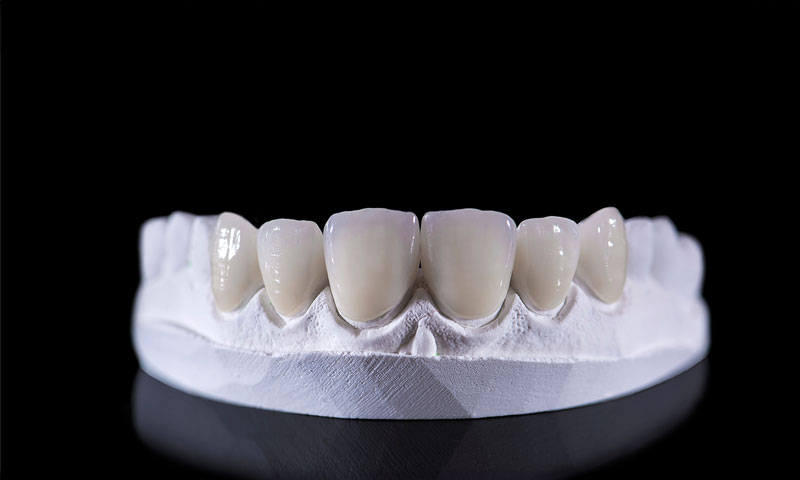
(461, 314)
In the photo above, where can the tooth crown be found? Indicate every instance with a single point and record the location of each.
(234, 269)
(422, 363)
(292, 263)
(604, 254)
(656, 309)
(547, 256)
(467, 259)
(372, 258)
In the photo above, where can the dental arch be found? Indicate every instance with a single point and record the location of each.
(601, 342)
(370, 258)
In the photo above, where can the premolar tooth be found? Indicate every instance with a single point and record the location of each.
(372, 258)
(467, 259)
(292, 264)
(604, 254)
(234, 263)
(547, 256)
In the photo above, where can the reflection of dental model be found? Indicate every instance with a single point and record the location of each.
(390, 340)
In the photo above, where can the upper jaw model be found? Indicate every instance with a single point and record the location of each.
(379, 315)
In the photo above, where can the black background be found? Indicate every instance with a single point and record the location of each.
(111, 117)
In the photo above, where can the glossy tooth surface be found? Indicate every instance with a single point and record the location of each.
(234, 263)
(604, 254)
(372, 259)
(547, 256)
(467, 259)
(292, 264)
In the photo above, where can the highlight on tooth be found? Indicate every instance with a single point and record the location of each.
(603, 260)
(292, 264)
(372, 258)
(390, 315)
(234, 266)
(467, 259)
(547, 256)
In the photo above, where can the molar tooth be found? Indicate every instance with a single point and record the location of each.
(292, 264)
(547, 256)
(234, 263)
(467, 259)
(372, 258)
(604, 254)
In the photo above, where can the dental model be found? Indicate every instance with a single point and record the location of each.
(343, 322)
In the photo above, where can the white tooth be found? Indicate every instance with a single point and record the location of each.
(467, 259)
(234, 263)
(604, 254)
(292, 264)
(372, 258)
(547, 256)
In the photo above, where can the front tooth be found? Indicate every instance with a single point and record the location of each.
(292, 264)
(234, 263)
(467, 258)
(547, 256)
(604, 254)
(372, 257)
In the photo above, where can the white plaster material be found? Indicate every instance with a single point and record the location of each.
(640, 252)
(467, 260)
(176, 240)
(151, 247)
(604, 254)
(292, 264)
(548, 250)
(419, 364)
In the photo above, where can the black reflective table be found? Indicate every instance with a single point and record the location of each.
(251, 443)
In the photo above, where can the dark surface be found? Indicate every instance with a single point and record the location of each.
(125, 114)
(254, 443)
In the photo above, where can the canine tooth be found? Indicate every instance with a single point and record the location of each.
(234, 264)
(604, 254)
(292, 264)
(467, 259)
(547, 256)
(372, 258)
